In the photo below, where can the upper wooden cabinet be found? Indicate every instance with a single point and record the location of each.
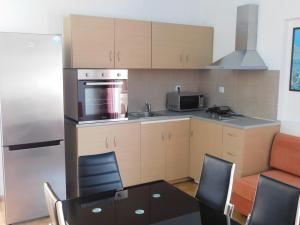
(132, 44)
(167, 46)
(181, 46)
(96, 42)
(89, 42)
(198, 47)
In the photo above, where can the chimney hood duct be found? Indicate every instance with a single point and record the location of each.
(245, 56)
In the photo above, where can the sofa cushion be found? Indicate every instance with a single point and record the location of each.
(285, 154)
(244, 189)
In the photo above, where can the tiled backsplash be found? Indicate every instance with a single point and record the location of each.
(153, 85)
(252, 93)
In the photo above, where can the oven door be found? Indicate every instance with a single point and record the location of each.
(102, 100)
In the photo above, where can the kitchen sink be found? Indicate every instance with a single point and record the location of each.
(143, 114)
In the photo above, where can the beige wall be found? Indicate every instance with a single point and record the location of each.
(247, 92)
(252, 93)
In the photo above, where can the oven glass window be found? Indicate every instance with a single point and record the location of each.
(103, 99)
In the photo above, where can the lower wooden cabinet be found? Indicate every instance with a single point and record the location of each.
(177, 150)
(124, 139)
(206, 137)
(171, 150)
(248, 148)
(153, 156)
(165, 150)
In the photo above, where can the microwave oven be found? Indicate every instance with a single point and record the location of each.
(185, 101)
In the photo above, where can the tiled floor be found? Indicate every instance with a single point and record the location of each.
(188, 187)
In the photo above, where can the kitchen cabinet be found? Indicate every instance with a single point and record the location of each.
(124, 139)
(153, 156)
(165, 150)
(198, 50)
(132, 44)
(177, 46)
(88, 42)
(206, 137)
(248, 148)
(97, 42)
(177, 150)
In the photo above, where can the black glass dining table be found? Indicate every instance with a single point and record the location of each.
(155, 203)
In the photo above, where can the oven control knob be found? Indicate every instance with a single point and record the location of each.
(102, 74)
(86, 75)
(118, 74)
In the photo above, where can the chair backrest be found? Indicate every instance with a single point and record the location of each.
(215, 184)
(51, 200)
(98, 173)
(275, 203)
(60, 213)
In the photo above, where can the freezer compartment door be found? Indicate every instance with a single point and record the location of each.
(31, 88)
(25, 171)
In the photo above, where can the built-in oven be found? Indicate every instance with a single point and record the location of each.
(96, 95)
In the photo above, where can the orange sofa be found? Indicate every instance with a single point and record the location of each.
(284, 166)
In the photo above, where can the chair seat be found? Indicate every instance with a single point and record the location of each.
(210, 216)
(244, 189)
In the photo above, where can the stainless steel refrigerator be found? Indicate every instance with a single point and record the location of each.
(31, 119)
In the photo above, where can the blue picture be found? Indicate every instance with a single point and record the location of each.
(295, 65)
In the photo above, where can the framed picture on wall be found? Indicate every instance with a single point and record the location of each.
(295, 64)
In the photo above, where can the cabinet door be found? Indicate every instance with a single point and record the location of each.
(167, 46)
(126, 142)
(92, 42)
(198, 47)
(177, 152)
(132, 44)
(153, 144)
(206, 137)
(94, 140)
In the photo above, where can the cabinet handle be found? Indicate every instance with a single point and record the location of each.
(181, 58)
(230, 134)
(162, 137)
(192, 133)
(118, 56)
(187, 58)
(230, 153)
(110, 56)
(115, 141)
(106, 142)
(170, 135)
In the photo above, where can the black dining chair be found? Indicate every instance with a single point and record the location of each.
(275, 203)
(214, 191)
(99, 174)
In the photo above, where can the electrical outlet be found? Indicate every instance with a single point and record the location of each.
(221, 89)
(178, 88)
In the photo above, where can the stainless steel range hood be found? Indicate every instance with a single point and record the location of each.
(245, 56)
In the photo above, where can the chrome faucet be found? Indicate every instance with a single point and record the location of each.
(148, 107)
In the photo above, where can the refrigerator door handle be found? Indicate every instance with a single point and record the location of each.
(34, 145)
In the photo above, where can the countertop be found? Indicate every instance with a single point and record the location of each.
(241, 122)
